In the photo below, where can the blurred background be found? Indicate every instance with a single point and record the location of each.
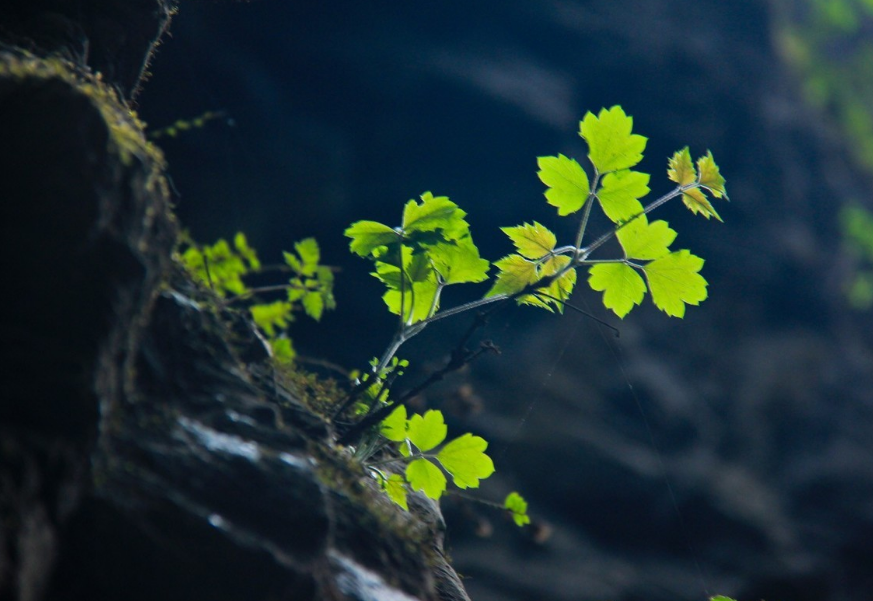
(730, 452)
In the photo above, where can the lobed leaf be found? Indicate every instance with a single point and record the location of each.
(643, 240)
(533, 241)
(567, 181)
(272, 316)
(394, 426)
(680, 169)
(611, 145)
(621, 285)
(369, 235)
(710, 177)
(459, 262)
(309, 255)
(426, 431)
(515, 274)
(620, 193)
(433, 214)
(425, 476)
(674, 282)
(395, 487)
(465, 459)
(697, 202)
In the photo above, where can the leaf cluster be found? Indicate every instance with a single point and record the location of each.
(430, 249)
(224, 268)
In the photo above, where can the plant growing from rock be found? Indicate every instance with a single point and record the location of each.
(432, 249)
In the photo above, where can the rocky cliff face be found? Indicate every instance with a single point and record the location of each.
(143, 455)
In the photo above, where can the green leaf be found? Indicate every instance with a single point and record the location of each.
(621, 285)
(417, 300)
(283, 351)
(394, 426)
(516, 272)
(710, 177)
(611, 145)
(552, 296)
(368, 235)
(533, 241)
(395, 487)
(674, 282)
(425, 476)
(697, 202)
(720, 598)
(246, 251)
(309, 254)
(313, 304)
(567, 182)
(459, 262)
(680, 169)
(427, 431)
(620, 193)
(272, 316)
(643, 240)
(434, 213)
(517, 506)
(464, 458)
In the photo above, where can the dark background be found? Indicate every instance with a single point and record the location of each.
(729, 452)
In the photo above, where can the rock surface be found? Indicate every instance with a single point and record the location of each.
(140, 456)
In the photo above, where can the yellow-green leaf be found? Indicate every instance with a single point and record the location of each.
(517, 506)
(465, 459)
(434, 213)
(697, 202)
(272, 316)
(313, 304)
(394, 426)
(515, 274)
(425, 476)
(621, 285)
(395, 488)
(674, 282)
(532, 241)
(710, 177)
(459, 262)
(611, 145)
(680, 169)
(426, 431)
(282, 349)
(368, 235)
(620, 193)
(643, 240)
(567, 181)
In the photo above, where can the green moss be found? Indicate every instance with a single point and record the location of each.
(125, 128)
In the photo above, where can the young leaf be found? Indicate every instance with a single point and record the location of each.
(394, 426)
(611, 145)
(710, 178)
(680, 169)
(552, 296)
(283, 351)
(516, 272)
(533, 241)
(395, 488)
(425, 476)
(418, 300)
(567, 181)
(643, 240)
(620, 193)
(313, 304)
(464, 458)
(720, 598)
(309, 254)
(368, 235)
(674, 282)
(697, 202)
(621, 285)
(272, 316)
(246, 251)
(427, 431)
(517, 506)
